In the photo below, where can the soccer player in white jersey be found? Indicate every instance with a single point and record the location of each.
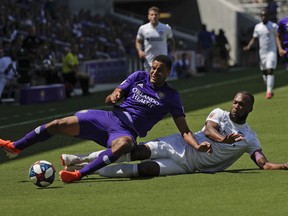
(7, 70)
(266, 32)
(155, 36)
(228, 133)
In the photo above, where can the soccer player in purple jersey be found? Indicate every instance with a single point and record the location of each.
(147, 98)
(282, 39)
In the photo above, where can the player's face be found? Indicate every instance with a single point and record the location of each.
(158, 73)
(264, 17)
(153, 17)
(240, 108)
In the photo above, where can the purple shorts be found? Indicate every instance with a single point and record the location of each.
(102, 127)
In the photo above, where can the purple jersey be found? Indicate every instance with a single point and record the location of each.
(283, 31)
(145, 105)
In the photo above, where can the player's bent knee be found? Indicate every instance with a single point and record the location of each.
(140, 152)
(148, 169)
(68, 125)
(122, 145)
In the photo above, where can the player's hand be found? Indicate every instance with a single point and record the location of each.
(285, 166)
(205, 147)
(232, 138)
(141, 54)
(246, 48)
(282, 52)
(115, 97)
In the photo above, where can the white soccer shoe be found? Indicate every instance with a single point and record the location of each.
(69, 159)
(74, 167)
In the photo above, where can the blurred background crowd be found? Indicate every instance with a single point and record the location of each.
(37, 34)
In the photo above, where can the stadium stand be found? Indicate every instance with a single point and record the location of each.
(100, 37)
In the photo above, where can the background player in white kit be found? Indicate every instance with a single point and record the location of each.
(228, 133)
(7, 69)
(266, 32)
(155, 36)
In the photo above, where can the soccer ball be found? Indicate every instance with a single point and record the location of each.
(42, 173)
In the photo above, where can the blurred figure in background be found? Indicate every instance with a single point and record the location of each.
(71, 73)
(28, 54)
(155, 36)
(8, 71)
(223, 47)
(182, 66)
(265, 32)
(272, 8)
(205, 47)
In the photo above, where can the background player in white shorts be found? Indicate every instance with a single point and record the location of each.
(228, 133)
(266, 32)
(155, 36)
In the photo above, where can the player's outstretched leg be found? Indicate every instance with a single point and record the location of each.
(12, 149)
(8, 147)
(77, 159)
(106, 157)
(70, 159)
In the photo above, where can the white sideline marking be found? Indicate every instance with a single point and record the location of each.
(101, 107)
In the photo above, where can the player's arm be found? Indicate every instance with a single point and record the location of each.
(189, 137)
(250, 44)
(114, 97)
(212, 132)
(138, 46)
(260, 160)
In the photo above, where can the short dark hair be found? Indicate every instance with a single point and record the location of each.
(153, 8)
(164, 59)
(250, 96)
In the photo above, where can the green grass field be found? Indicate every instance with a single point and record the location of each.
(241, 190)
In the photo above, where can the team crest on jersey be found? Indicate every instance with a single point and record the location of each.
(211, 115)
(140, 85)
(161, 33)
(160, 95)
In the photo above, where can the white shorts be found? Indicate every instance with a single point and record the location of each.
(169, 155)
(268, 61)
(169, 167)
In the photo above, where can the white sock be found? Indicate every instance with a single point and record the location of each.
(94, 155)
(124, 158)
(120, 171)
(270, 83)
(90, 157)
(264, 78)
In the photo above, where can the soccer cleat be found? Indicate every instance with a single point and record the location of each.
(9, 148)
(74, 167)
(68, 177)
(68, 159)
(269, 95)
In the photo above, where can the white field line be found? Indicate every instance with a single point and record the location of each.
(101, 107)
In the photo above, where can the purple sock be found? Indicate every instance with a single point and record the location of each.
(105, 158)
(37, 135)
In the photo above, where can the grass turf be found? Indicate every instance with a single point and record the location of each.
(241, 190)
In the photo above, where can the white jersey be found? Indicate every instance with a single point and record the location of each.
(266, 35)
(189, 159)
(155, 39)
(6, 62)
